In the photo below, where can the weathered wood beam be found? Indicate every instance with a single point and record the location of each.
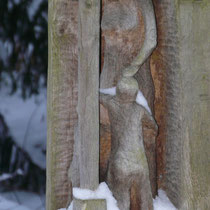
(88, 101)
(89, 204)
(62, 99)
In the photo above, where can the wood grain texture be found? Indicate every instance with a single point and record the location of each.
(180, 68)
(165, 70)
(195, 82)
(122, 39)
(128, 162)
(62, 100)
(89, 204)
(88, 87)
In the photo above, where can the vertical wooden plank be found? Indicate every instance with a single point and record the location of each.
(194, 29)
(62, 99)
(181, 69)
(88, 103)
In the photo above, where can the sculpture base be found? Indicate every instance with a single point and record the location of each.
(89, 204)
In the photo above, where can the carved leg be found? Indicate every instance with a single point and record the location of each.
(145, 192)
(120, 189)
(122, 195)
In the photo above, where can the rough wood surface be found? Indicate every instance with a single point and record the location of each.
(123, 37)
(88, 87)
(165, 70)
(62, 100)
(195, 116)
(89, 204)
(128, 166)
(180, 68)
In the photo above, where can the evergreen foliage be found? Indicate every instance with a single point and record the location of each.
(23, 37)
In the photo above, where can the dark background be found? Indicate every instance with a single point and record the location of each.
(23, 80)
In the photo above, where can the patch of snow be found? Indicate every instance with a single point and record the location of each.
(102, 192)
(5, 177)
(141, 100)
(26, 120)
(20, 171)
(108, 91)
(69, 208)
(21, 200)
(10, 205)
(162, 202)
(34, 6)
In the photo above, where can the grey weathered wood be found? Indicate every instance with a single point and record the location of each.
(62, 99)
(128, 163)
(88, 101)
(89, 204)
(194, 37)
(122, 18)
(184, 51)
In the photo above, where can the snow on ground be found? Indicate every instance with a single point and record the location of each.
(10, 205)
(162, 202)
(20, 200)
(102, 192)
(26, 120)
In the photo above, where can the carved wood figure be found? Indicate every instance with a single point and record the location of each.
(130, 167)
(128, 163)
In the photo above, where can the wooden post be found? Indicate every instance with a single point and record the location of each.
(99, 204)
(88, 101)
(62, 100)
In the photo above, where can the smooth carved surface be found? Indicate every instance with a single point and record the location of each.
(128, 162)
(62, 100)
(121, 42)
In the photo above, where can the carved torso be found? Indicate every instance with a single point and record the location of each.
(126, 129)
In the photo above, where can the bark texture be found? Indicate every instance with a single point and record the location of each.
(165, 70)
(180, 68)
(62, 100)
